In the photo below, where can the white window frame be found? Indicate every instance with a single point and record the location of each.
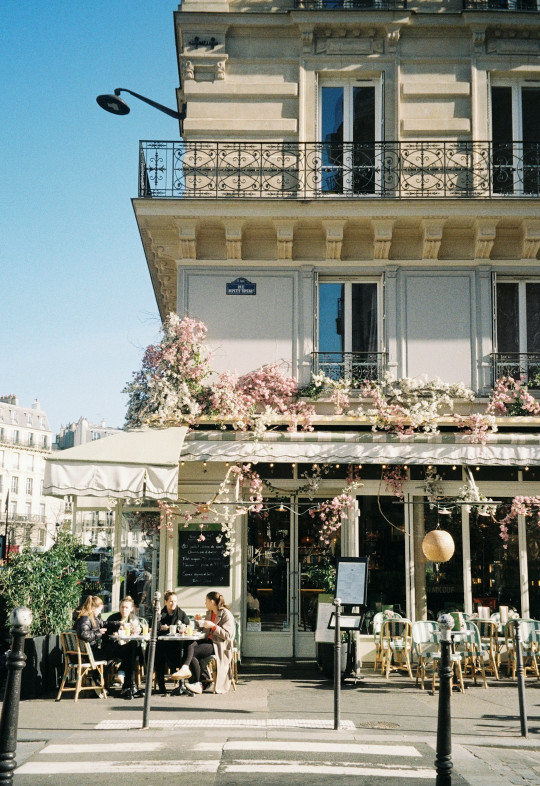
(516, 85)
(348, 83)
(522, 307)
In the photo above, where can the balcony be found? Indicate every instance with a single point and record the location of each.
(523, 366)
(355, 367)
(350, 5)
(500, 5)
(319, 170)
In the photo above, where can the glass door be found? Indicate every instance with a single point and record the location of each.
(267, 631)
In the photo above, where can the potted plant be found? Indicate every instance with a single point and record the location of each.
(49, 584)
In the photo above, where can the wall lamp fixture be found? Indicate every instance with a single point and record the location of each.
(117, 106)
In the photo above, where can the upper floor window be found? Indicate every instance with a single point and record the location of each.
(14, 484)
(29, 486)
(518, 329)
(349, 334)
(349, 119)
(515, 120)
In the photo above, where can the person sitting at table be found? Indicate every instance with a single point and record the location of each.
(169, 653)
(126, 652)
(219, 627)
(89, 625)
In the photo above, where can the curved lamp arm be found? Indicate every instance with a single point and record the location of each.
(114, 104)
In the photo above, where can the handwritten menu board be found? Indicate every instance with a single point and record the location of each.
(202, 563)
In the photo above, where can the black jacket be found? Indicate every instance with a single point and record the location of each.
(178, 617)
(115, 620)
(88, 629)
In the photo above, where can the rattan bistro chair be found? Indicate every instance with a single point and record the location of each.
(530, 646)
(396, 643)
(79, 661)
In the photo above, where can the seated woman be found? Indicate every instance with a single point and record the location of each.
(125, 651)
(220, 629)
(169, 653)
(89, 625)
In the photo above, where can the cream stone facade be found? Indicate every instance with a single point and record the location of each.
(355, 191)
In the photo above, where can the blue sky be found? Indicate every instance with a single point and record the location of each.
(77, 302)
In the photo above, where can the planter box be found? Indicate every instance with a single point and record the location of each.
(43, 666)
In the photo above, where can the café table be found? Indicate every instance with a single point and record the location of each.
(181, 690)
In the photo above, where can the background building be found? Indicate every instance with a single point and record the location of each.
(27, 516)
(82, 431)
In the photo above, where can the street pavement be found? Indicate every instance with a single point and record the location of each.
(278, 727)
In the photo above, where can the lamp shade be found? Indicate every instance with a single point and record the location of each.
(438, 546)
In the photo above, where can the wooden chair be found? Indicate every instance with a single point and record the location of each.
(426, 649)
(209, 665)
(79, 661)
(396, 644)
(489, 635)
(474, 654)
(530, 646)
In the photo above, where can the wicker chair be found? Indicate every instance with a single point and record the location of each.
(79, 661)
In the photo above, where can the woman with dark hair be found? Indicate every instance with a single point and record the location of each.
(220, 629)
(124, 651)
(89, 625)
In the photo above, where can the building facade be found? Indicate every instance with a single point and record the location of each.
(28, 518)
(82, 431)
(352, 197)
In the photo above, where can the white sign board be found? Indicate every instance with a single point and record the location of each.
(351, 582)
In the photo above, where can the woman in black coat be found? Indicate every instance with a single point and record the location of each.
(89, 625)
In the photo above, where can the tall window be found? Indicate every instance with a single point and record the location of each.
(518, 329)
(348, 330)
(348, 125)
(29, 486)
(14, 484)
(515, 123)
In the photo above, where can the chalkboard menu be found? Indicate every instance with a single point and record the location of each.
(202, 563)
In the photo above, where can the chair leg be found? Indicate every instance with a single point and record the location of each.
(457, 666)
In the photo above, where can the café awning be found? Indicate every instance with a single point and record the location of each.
(509, 449)
(131, 464)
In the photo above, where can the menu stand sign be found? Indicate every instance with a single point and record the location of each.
(351, 581)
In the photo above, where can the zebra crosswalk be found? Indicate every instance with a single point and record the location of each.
(227, 762)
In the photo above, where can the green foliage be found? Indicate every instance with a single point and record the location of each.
(48, 583)
(322, 576)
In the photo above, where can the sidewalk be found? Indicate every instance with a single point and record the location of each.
(294, 701)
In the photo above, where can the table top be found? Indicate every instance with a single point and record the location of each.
(195, 636)
(131, 637)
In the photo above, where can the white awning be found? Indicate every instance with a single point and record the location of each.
(131, 464)
(362, 448)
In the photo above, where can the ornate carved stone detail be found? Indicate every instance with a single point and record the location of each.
(187, 69)
(334, 238)
(479, 40)
(433, 232)
(530, 239)
(284, 237)
(486, 232)
(382, 238)
(187, 237)
(233, 240)
(307, 40)
(392, 39)
(220, 69)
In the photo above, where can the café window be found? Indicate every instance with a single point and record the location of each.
(515, 118)
(349, 123)
(348, 330)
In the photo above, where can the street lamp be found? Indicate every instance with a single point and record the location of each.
(117, 106)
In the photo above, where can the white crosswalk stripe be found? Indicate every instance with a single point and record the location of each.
(233, 761)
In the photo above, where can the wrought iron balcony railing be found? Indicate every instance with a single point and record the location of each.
(312, 170)
(355, 367)
(501, 5)
(350, 5)
(524, 366)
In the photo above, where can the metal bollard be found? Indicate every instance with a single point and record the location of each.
(520, 681)
(21, 619)
(337, 664)
(443, 757)
(150, 660)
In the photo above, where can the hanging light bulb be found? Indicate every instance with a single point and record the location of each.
(444, 512)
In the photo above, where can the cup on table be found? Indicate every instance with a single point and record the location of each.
(189, 630)
(127, 628)
(172, 630)
(503, 611)
(144, 628)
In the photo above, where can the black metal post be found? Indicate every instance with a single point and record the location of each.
(337, 663)
(21, 618)
(150, 659)
(443, 758)
(520, 680)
